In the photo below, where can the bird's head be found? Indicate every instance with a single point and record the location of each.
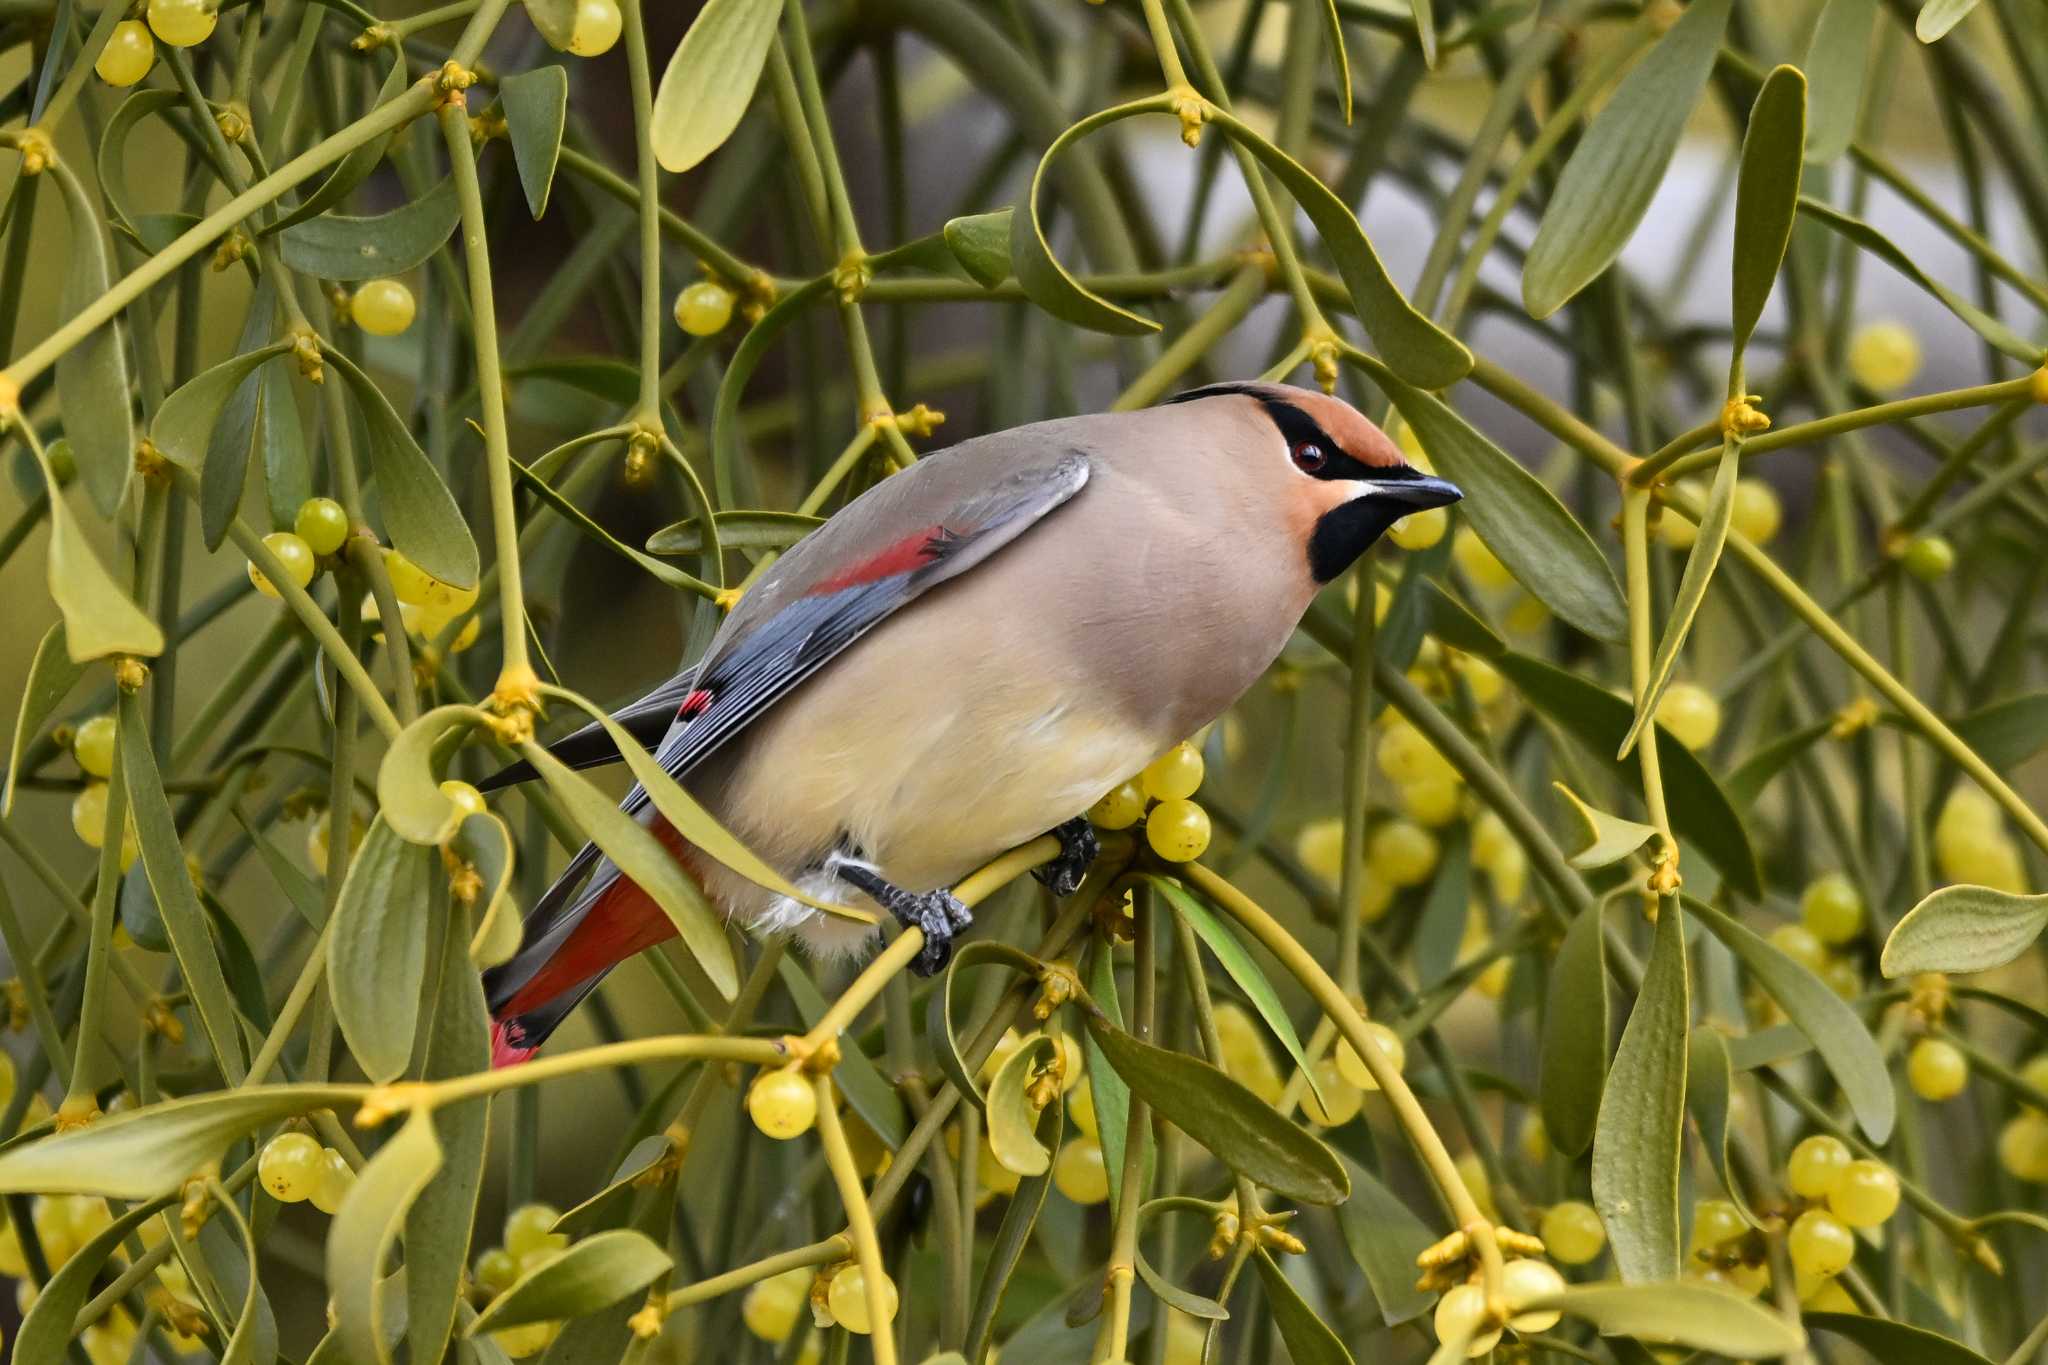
(1343, 479)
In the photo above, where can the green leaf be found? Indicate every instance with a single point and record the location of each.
(1333, 29)
(1309, 1340)
(99, 620)
(1239, 1128)
(1681, 1313)
(1754, 773)
(149, 1152)
(1999, 335)
(52, 673)
(1535, 537)
(112, 156)
(297, 887)
(981, 244)
(46, 1327)
(377, 959)
(938, 1025)
(1700, 811)
(1639, 1137)
(485, 843)
(668, 575)
(1411, 345)
(92, 376)
(1384, 1237)
(592, 1274)
(1455, 624)
(1039, 273)
(1700, 563)
(234, 1274)
(335, 247)
(1813, 1007)
(1244, 970)
(235, 431)
(1836, 59)
(420, 514)
(1186, 1300)
(1937, 17)
(1576, 1015)
(1609, 838)
(1012, 1240)
(736, 531)
(357, 166)
(366, 1229)
(1709, 1084)
(1425, 30)
(409, 790)
(1767, 193)
(645, 861)
(1012, 1121)
(710, 80)
(1607, 185)
(646, 1154)
(1964, 929)
(2006, 733)
(439, 1225)
(287, 472)
(1112, 1097)
(170, 882)
(536, 107)
(184, 424)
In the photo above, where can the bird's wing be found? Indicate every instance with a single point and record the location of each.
(646, 720)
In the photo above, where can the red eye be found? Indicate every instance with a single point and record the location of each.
(1309, 457)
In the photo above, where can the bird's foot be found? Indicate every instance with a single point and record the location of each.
(1078, 848)
(939, 913)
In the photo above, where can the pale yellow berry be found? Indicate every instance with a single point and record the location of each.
(1463, 1309)
(89, 814)
(317, 837)
(772, 1307)
(1120, 808)
(782, 1104)
(1820, 1244)
(1432, 802)
(1319, 848)
(1755, 513)
(704, 308)
(1533, 1142)
(182, 23)
(13, 1260)
(383, 308)
(1800, 943)
(1481, 678)
(1866, 1195)
(1478, 563)
(409, 582)
(1573, 1233)
(1081, 1108)
(1715, 1221)
(1979, 856)
(93, 746)
(2034, 1071)
(289, 1167)
(466, 799)
(1829, 1297)
(1384, 1041)
(1928, 558)
(1884, 357)
(991, 1175)
(528, 1340)
(1005, 1048)
(596, 28)
(2023, 1147)
(128, 55)
(1178, 831)
(1690, 713)
(1174, 775)
(1833, 908)
(847, 1299)
(293, 553)
(1404, 755)
(1080, 1172)
(1937, 1070)
(322, 524)
(1816, 1165)
(528, 1230)
(1675, 530)
(1345, 1099)
(337, 1178)
(1524, 1282)
(1420, 530)
(1401, 853)
(495, 1270)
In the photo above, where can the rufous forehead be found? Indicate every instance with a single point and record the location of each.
(1353, 431)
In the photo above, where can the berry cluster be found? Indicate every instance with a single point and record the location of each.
(1176, 828)
(293, 1168)
(530, 1243)
(63, 1224)
(1827, 939)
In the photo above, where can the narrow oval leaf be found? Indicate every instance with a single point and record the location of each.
(1709, 1083)
(736, 531)
(536, 106)
(1964, 929)
(1682, 1313)
(149, 1152)
(1576, 1024)
(858, 1079)
(1701, 813)
(485, 843)
(236, 430)
(377, 958)
(1608, 838)
(92, 376)
(1754, 773)
(420, 514)
(1937, 17)
(645, 861)
(1425, 30)
(441, 1222)
(184, 423)
(1607, 185)
(1411, 344)
(99, 620)
(1533, 535)
(666, 574)
(1838, 1032)
(234, 1273)
(1384, 1237)
(1239, 1128)
(1767, 193)
(1044, 280)
(1171, 1294)
(51, 675)
(636, 1170)
(1639, 1138)
(335, 247)
(2006, 733)
(1012, 1120)
(366, 1229)
(592, 1274)
(1700, 562)
(409, 790)
(981, 244)
(1012, 1240)
(710, 80)
(1112, 1097)
(1893, 1341)
(1309, 1339)
(287, 470)
(358, 165)
(1836, 59)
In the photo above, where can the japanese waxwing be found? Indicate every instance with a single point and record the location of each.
(968, 656)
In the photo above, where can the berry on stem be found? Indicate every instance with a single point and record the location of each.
(1820, 1244)
(293, 553)
(1080, 1172)
(1816, 1166)
(322, 524)
(527, 1231)
(1122, 807)
(1691, 714)
(704, 308)
(847, 1298)
(1525, 1281)
(1178, 831)
(128, 55)
(1352, 1066)
(1937, 1070)
(1174, 775)
(1832, 908)
(182, 23)
(596, 28)
(383, 308)
(1573, 1233)
(1884, 357)
(290, 1167)
(1866, 1195)
(782, 1104)
(1462, 1309)
(93, 746)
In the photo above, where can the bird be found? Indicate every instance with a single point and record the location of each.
(968, 656)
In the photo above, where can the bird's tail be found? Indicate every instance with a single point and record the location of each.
(589, 921)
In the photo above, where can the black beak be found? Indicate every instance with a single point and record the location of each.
(1418, 491)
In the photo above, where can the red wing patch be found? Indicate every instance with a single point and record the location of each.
(694, 703)
(913, 551)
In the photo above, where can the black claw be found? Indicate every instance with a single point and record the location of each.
(939, 913)
(1078, 847)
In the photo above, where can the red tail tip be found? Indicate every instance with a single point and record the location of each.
(503, 1052)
